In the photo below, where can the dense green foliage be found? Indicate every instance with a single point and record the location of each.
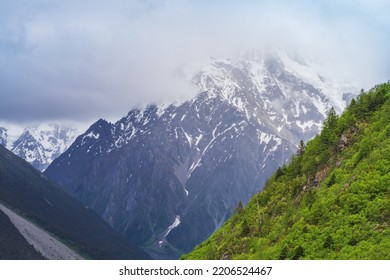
(331, 202)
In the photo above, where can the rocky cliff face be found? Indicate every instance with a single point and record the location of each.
(169, 176)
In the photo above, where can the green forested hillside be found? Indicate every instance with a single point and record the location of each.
(331, 202)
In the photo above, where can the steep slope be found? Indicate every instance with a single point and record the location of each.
(26, 191)
(13, 245)
(169, 176)
(331, 202)
(43, 242)
(40, 144)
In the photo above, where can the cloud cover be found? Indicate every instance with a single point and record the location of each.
(81, 60)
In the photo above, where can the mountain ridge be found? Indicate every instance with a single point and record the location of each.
(38, 144)
(220, 145)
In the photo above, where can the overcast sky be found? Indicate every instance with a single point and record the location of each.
(80, 60)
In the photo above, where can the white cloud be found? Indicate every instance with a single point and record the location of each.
(90, 59)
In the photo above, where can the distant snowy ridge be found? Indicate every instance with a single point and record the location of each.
(40, 144)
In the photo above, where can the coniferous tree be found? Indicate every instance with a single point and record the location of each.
(301, 149)
(328, 136)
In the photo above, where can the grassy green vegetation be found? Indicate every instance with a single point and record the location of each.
(331, 202)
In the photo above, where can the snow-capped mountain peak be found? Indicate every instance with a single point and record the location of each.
(38, 144)
(274, 83)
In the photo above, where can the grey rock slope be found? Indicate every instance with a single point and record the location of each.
(43, 242)
(13, 245)
(169, 176)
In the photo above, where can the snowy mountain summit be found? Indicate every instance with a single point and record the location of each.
(275, 87)
(39, 145)
(169, 176)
